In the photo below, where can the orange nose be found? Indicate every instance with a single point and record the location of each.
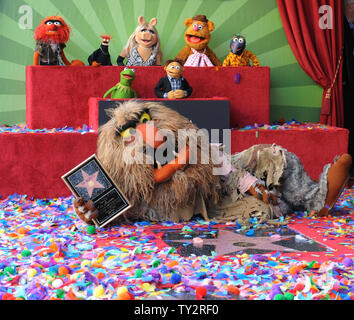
(150, 134)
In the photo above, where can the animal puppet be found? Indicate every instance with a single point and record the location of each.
(51, 37)
(123, 89)
(143, 46)
(197, 36)
(173, 86)
(157, 159)
(101, 56)
(239, 56)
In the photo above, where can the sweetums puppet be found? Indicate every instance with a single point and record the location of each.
(174, 85)
(143, 46)
(51, 37)
(197, 36)
(238, 55)
(176, 190)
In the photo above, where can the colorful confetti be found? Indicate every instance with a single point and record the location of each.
(47, 253)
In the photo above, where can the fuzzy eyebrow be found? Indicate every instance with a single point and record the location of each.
(131, 123)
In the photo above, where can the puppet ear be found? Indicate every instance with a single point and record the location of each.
(211, 26)
(188, 22)
(153, 22)
(141, 20)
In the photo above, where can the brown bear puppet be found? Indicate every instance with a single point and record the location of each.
(197, 36)
(160, 161)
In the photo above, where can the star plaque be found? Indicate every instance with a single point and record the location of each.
(90, 181)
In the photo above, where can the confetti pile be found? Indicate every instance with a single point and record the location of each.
(46, 253)
(24, 129)
(287, 126)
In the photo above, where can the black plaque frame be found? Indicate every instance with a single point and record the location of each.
(110, 202)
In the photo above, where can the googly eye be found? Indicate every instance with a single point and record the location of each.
(49, 23)
(126, 68)
(145, 117)
(178, 67)
(57, 23)
(235, 39)
(172, 67)
(241, 40)
(127, 132)
(133, 70)
(200, 27)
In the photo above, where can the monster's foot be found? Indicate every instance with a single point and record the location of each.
(337, 178)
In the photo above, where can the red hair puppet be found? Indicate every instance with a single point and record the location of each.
(51, 37)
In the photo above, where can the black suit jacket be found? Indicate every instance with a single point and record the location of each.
(164, 86)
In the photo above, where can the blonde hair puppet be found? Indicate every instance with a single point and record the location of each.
(143, 46)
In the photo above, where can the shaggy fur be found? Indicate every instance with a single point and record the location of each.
(283, 171)
(150, 201)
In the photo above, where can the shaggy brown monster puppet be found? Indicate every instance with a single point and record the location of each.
(161, 187)
(196, 53)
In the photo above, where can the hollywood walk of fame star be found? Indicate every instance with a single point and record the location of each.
(226, 243)
(90, 182)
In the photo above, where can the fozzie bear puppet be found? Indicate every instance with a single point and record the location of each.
(197, 36)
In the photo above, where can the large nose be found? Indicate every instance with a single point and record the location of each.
(52, 27)
(150, 134)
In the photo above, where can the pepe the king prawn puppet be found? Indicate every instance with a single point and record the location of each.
(158, 159)
(51, 37)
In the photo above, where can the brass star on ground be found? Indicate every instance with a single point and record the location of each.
(226, 243)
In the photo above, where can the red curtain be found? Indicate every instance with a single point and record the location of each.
(318, 50)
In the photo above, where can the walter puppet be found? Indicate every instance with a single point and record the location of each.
(239, 56)
(101, 56)
(51, 37)
(197, 36)
(179, 182)
(174, 85)
(143, 46)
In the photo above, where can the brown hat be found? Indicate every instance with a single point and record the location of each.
(200, 17)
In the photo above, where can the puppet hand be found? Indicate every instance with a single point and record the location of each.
(77, 63)
(179, 94)
(95, 64)
(85, 211)
(171, 95)
(261, 193)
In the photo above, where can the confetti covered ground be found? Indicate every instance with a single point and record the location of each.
(46, 253)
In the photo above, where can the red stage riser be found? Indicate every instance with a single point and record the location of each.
(58, 96)
(33, 163)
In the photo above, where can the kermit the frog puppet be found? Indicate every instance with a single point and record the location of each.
(123, 89)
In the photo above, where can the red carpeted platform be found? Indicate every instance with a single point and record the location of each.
(58, 96)
(33, 163)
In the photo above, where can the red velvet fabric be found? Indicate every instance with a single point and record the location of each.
(315, 148)
(317, 50)
(33, 163)
(58, 96)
